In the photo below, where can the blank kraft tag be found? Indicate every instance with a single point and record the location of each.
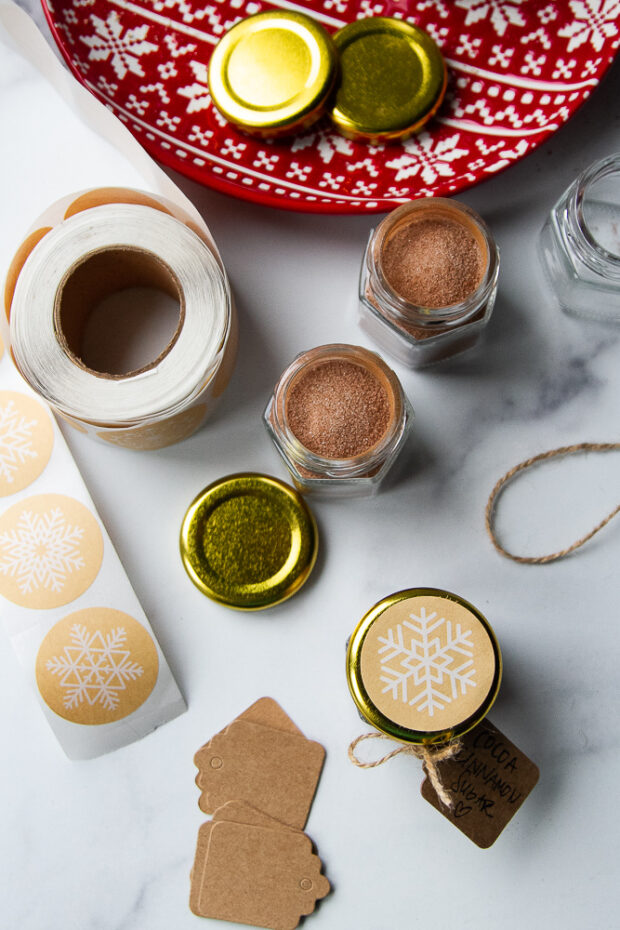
(271, 769)
(488, 781)
(268, 712)
(234, 812)
(260, 876)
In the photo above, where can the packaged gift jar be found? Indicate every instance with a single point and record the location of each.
(428, 281)
(581, 243)
(338, 416)
(423, 666)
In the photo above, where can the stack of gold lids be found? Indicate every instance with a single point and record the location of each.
(277, 72)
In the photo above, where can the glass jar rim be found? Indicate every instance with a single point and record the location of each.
(353, 465)
(591, 250)
(432, 317)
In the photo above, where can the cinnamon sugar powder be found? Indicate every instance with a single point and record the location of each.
(338, 409)
(433, 262)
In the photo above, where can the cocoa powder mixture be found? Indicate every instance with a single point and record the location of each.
(338, 409)
(433, 262)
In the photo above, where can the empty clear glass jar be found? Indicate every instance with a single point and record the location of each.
(338, 417)
(428, 281)
(581, 243)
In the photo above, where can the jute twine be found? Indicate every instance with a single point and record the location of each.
(430, 757)
(504, 481)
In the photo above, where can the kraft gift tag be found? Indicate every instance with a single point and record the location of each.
(242, 812)
(487, 780)
(258, 875)
(235, 812)
(271, 769)
(269, 713)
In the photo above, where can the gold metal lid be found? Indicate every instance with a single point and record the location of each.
(248, 541)
(423, 666)
(393, 79)
(271, 74)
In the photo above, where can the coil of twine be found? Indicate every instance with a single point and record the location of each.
(523, 466)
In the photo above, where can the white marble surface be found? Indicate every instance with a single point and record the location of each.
(107, 845)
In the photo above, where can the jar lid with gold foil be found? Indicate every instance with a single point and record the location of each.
(423, 666)
(249, 541)
(271, 74)
(393, 79)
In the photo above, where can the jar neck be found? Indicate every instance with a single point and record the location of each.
(354, 466)
(581, 241)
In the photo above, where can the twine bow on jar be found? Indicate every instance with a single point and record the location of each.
(430, 756)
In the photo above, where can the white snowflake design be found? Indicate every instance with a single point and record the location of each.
(198, 92)
(427, 158)
(124, 49)
(15, 441)
(501, 13)
(595, 20)
(327, 143)
(428, 674)
(41, 551)
(95, 668)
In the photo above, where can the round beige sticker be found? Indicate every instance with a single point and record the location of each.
(96, 666)
(427, 663)
(50, 551)
(26, 439)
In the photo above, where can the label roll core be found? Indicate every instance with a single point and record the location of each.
(83, 259)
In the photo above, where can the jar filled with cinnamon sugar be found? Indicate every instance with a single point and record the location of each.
(338, 416)
(428, 281)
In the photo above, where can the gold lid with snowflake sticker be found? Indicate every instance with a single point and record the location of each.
(271, 74)
(96, 666)
(249, 541)
(51, 549)
(393, 79)
(423, 665)
(26, 440)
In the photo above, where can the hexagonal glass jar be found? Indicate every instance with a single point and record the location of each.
(422, 335)
(355, 476)
(581, 243)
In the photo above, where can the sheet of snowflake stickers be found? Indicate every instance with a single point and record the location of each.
(518, 70)
(65, 600)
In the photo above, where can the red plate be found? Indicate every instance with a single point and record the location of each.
(518, 70)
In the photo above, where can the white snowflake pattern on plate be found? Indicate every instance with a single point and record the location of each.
(123, 50)
(509, 63)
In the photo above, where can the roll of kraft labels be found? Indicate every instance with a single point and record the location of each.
(98, 243)
(66, 604)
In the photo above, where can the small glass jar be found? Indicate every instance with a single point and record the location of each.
(365, 435)
(581, 243)
(416, 332)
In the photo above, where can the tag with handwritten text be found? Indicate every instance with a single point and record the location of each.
(488, 781)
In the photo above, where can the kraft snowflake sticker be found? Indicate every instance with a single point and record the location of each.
(96, 666)
(26, 440)
(51, 549)
(428, 663)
